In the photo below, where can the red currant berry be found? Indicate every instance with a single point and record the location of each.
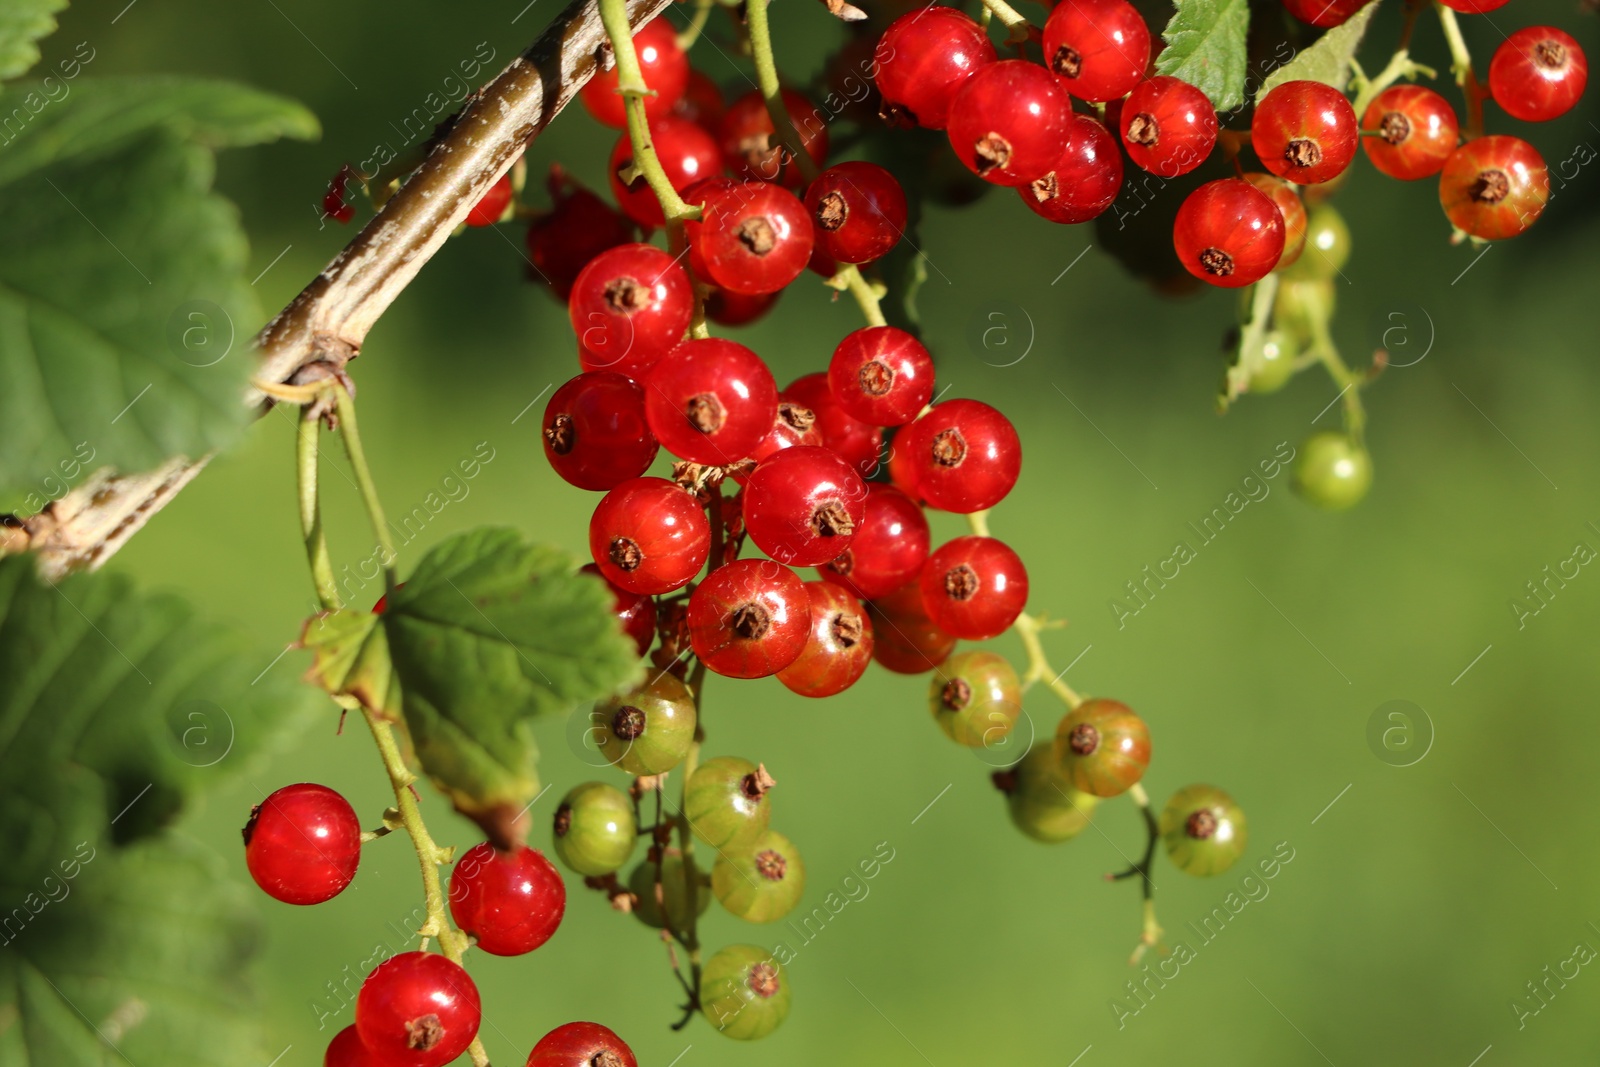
(1040, 800)
(346, 1050)
(1102, 747)
(976, 698)
(702, 101)
(1008, 122)
(760, 882)
(664, 65)
(491, 207)
(793, 425)
(510, 902)
(881, 375)
(859, 211)
(840, 646)
(889, 547)
(628, 306)
(905, 639)
(1098, 48)
(747, 142)
(1168, 126)
(744, 992)
(753, 238)
(802, 505)
(581, 1045)
(649, 536)
(1538, 73)
(334, 205)
(1413, 131)
(648, 729)
(1305, 132)
(635, 612)
(1290, 208)
(578, 227)
(1229, 233)
(738, 309)
(974, 587)
(923, 59)
(595, 434)
(1085, 179)
(1204, 830)
(1494, 187)
(418, 1009)
(710, 400)
(858, 443)
(302, 844)
(1474, 7)
(687, 153)
(594, 829)
(1324, 13)
(965, 456)
(725, 801)
(749, 619)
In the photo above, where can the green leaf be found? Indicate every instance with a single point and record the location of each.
(1328, 59)
(1206, 48)
(125, 310)
(350, 658)
(22, 24)
(488, 632)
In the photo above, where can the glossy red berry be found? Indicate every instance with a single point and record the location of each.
(649, 536)
(1098, 48)
(1538, 73)
(738, 309)
(974, 587)
(753, 237)
(491, 207)
(1168, 126)
(1228, 233)
(346, 1050)
(1008, 122)
(628, 306)
(749, 619)
(1494, 187)
(1085, 179)
(334, 204)
(511, 902)
(1413, 130)
(1305, 132)
(687, 153)
(302, 844)
(858, 210)
(664, 65)
(923, 59)
(710, 400)
(1325, 13)
(802, 506)
(889, 548)
(581, 1045)
(905, 639)
(702, 101)
(964, 456)
(1474, 7)
(747, 142)
(858, 443)
(1102, 747)
(595, 435)
(839, 648)
(635, 612)
(417, 1009)
(1290, 208)
(578, 227)
(881, 375)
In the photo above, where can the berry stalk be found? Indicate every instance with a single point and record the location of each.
(306, 436)
(631, 84)
(697, 24)
(867, 297)
(1461, 67)
(1018, 28)
(345, 405)
(784, 131)
(1400, 66)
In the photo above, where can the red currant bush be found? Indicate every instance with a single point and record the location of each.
(1290, 209)
(839, 648)
(976, 698)
(962, 456)
(1098, 48)
(1008, 122)
(1410, 132)
(510, 902)
(747, 141)
(649, 536)
(1168, 126)
(628, 307)
(889, 547)
(1305, 132)
(906, 641)
(664, 65)
(302, 844)
(858, 443)
(974, 587)
(881, 375)
(710, 400)
(858, 210)
(726, 801)
(744, 992)
(595, 434)
(581, 1045)
(1229, 233)
(1332, 471)
(1102, 747)
(417, 1009)
(923, 59)
(760, 882)
(594, 829)
(688, 154)
(750, 618)
(1538, 73)
(346, 1050)
(1040, 800)
(1203, 829)
(802, 506)
(646, 731)
(1085, 179)
(491, 207)
(754, 238)
(676, 877)
(1494, 187)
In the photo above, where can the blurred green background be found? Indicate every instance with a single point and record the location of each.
(1416, 906)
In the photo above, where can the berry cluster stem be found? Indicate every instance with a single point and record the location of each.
(1350, 383)
(307, 434)
(868, 297)
(631, 84)
(784, 130)
(1461, 67)
(345, 405)
(1400, 66)
(697, 24)
(1018, 28)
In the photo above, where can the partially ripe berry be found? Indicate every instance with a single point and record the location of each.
(1168, 126)
(1040, 800)
(744, 992)
(1102, 747)
(649, 536)
(725, 801)
(976, 698)
(1290, 209)
(595, 434)
(346, 1050)
(581, 1045)
(858, 210)
(748, 146)
(839, 648)
(594, 829)
(858, 443)
(753, 238)
(881, 375)
(974, 587)
(889, 547)
(664, 65)
(1409, 131)
(1085, 179)
(923, 59)
(1538, 73)
(628, 307)
(1203, 829)
(1327, 247)
(511, 902)
(802, 505)
(964, 456)
(1305, 132)
(417, 1009)
(749, 619)
(647, 730)
(687, 153)
(676, 879)
(1494, 187)
(762, 881)
(1228, 233)
(1332, 471)
(491, 207)
(302, 844)
(906, 641)
(710, 400)
(1098, 48)
(1008, 122)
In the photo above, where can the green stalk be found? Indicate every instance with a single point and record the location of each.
(767, 79)
(351, 433)
(306, 435)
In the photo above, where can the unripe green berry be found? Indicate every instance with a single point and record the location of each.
(1040, 800)
(674, 889)
(744, 992)
(1302, 309)
(1275, 363)
(1327, 245)
(760, 882)
(1332, 471)
(646, 731)
(726, 801)
(595, 829)
(975, 698)
(1102, 747)
(1203, 829)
